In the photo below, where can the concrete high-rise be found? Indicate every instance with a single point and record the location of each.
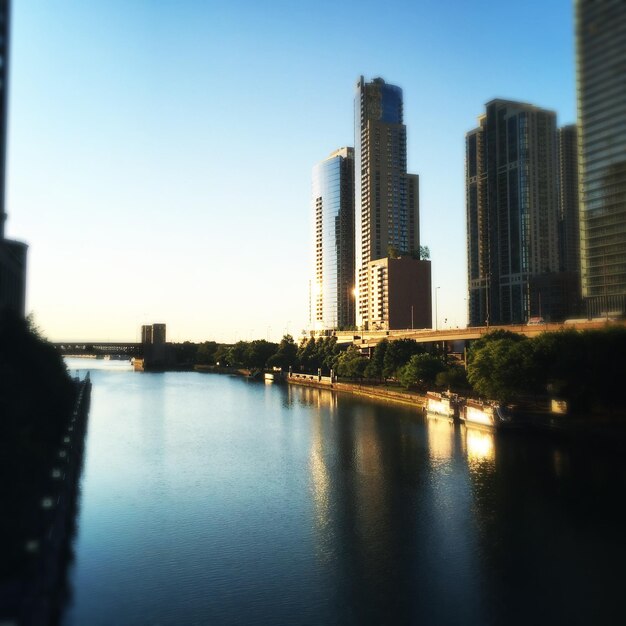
(512, 215)
(12, 253)
(332, 289)
(386, 201)
(601, 87)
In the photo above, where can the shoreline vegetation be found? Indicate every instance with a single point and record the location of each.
(42, 430)
(582, 371)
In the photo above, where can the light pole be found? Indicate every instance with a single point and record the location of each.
(436, 319)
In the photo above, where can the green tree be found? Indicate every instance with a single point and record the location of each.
(375, 365)
(503, 369)
(238, 354)
(205, 354)
(421, 369)
(351, 363)
(285, 356)
(258, 352)
(397, 355)
(222, 355)
(306, 354)
(454, 377)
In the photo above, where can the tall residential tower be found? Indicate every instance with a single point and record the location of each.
(601, 74)
(512, 216)
(386, 215)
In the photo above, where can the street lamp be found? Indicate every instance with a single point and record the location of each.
(436, 319)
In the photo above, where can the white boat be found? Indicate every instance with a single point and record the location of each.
(445, 404)
(485, 414)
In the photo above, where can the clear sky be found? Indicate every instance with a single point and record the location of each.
(160, 151)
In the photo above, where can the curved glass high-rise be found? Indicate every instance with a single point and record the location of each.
(332, 299)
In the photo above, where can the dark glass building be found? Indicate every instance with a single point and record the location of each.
(601, 78)
(569, 207)
(4, 98)
(332, 292)
(512, 212)
(386, 197)
(12, 253)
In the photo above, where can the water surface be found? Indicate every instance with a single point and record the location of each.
(208, 499)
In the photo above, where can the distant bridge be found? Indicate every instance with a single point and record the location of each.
(84, 348)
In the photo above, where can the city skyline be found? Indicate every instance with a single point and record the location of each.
(135, 173)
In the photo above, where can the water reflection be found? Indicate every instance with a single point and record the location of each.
(441, 436)
(479, 446)
(208, 499)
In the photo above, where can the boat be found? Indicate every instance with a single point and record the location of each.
(444, 404)
(273, 377)
(485, 414)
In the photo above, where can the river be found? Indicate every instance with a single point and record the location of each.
(209, 499)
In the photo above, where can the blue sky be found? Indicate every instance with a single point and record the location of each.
(160, 152)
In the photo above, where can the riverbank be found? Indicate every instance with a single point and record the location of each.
(34, 588)
(369, 391)
(602, 429)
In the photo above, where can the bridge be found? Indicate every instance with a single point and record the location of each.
(99, 348)
(369, 339)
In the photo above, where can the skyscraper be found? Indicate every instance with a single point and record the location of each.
(601, 68)
(569, 207)
(512, 214)
(4, 98)
(386, 201)
(12, 253)
(332, 297)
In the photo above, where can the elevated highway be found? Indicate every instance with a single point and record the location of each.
(368, 339)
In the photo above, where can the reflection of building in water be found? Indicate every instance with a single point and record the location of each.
(480, 445)
(440, 432)
(307, 396)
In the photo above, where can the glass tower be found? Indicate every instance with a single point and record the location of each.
(601, 72)
(386, 197)
(4, 76)
(12, 253)
(512, 211)
(332, 297)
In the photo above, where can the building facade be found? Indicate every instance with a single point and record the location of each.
(512, 212)
(332, 293)
(12, 253)
(569, 207)
(396, 288)
(601, 90)
(386, 197)
(4, 101)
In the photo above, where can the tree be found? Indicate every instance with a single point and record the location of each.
(222, 355)
(503, 369)
(306, 354)
(285, 356)
(421, 369)
(238, 354)
(351, 363)
(205, 354)
(258, 352)
(398, 354)
(375, 365)
(454, 377)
